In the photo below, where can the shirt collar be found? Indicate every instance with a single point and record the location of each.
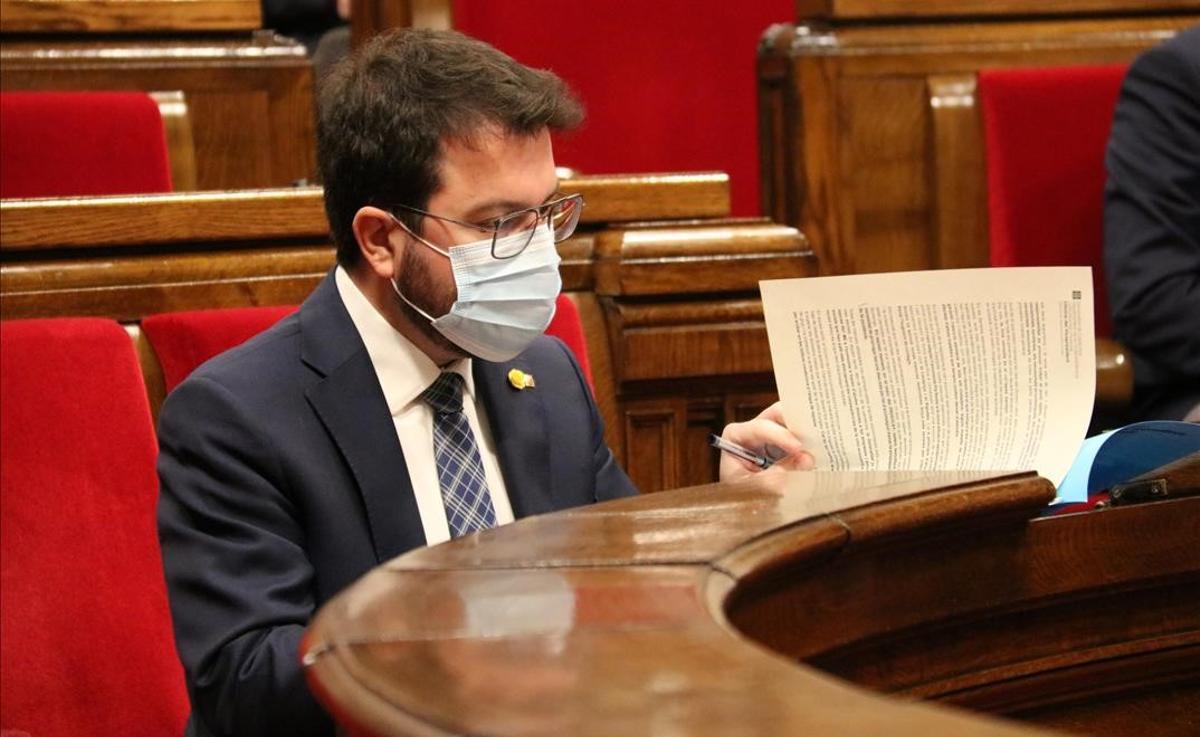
(404, 371)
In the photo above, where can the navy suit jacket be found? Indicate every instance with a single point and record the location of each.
(283, 481)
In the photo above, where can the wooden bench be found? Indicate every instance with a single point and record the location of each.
(249, 91)
(665, 282)
(870, 134)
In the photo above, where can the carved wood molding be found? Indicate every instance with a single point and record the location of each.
(958, 170)
(697, 257)
(883, 9)
(128, 16)
(631, 197)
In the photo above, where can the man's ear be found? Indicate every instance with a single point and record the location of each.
(373, 229)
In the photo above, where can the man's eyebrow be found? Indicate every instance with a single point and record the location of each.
(492, 209)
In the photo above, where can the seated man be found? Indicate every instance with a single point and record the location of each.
(1152, 227)
(382, 416)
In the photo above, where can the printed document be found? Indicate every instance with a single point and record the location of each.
(955, 370)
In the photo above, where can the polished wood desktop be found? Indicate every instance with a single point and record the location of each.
(793, 603)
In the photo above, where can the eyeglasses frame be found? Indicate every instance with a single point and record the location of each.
(542, 212)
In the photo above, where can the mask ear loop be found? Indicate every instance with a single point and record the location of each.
(396, 287)
(409, 302)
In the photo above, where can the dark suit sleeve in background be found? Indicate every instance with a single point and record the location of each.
(1152, 225)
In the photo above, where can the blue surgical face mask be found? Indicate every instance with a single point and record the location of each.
(502, 304)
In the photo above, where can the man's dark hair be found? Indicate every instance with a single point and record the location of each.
(384, 112)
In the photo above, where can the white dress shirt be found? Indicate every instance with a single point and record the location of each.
(404, 372)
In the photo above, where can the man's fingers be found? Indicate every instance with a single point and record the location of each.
(769, 438)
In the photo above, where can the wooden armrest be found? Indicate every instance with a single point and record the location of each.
(181, 148)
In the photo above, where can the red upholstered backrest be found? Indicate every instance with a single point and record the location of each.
(85, 632)
(184, 340)
(669, 85)
(58, 144)
(1046, 131)
(567, 327)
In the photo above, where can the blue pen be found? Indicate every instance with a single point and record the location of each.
(738, 451)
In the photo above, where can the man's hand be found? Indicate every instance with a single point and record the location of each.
(766, 435)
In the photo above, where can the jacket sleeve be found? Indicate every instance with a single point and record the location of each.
(1152, 209)
(239, 580)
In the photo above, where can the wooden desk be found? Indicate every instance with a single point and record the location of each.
(724, 610)
(666, 284)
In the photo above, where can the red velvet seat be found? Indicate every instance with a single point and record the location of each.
(1046, 131)
(184, 340)
(567, 327)
(60, 144)
(86, 644)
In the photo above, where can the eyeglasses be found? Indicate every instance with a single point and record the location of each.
(561, 216)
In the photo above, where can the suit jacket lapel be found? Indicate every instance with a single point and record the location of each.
(351, 405)
(518, 421)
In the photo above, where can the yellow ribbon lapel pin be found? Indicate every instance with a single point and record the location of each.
(521, 380)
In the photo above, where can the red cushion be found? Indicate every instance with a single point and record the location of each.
(567, 327)
(86, 646)
(184, 340)
(669, 85)
(59, 144)
(1046, 131)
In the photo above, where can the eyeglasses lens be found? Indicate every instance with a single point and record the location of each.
(561, 217)
(564, 216)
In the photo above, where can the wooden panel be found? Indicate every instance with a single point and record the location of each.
(698, 257)
(234, 155)
(652, 196)
(250, 98)
(1171, 708)
(92, 222)
(689, 339)
(126, 16)
(875, 9)
(1019, 633)
(127, 288)
(883, 172)
(803, 151)
(651, 454)
(181, 146)
(877, 157)
(698, 460)
(777, 117)
(371, 17)
(959, 211)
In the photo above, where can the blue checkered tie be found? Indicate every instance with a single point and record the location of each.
(460, 471)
